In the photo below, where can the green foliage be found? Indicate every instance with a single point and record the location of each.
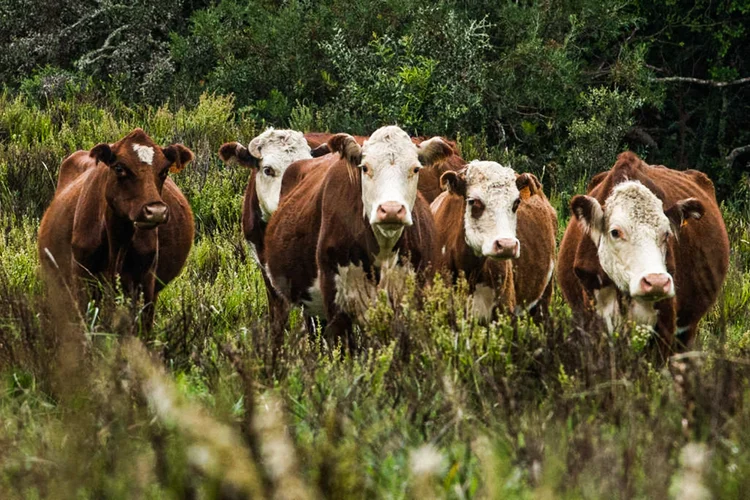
(605, 116)
(434, 404)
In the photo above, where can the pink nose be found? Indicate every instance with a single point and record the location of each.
(657, 284)
(506, 248)
(155, 213)
(391, 212)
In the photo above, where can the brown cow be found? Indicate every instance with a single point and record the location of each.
(336, 232)
(117, 213)
(648, 244)
(429, 178)
(478, 219)
(534, 269)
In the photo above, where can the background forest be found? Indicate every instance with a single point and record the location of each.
(435, 405)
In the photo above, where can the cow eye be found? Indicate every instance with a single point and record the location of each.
(516, 204)
(364, 168)
(477, 207)
(268, 171)
(615, 233)
(416, 170)
(120, 170)
(163, 174)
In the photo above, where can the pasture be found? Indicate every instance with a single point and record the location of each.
(433, 405)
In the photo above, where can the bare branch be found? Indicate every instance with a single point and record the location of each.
(699, 81)
(735, 153)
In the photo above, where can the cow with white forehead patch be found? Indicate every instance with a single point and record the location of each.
(647, 244)
(118, 214)
(269, 156)
(331, 247)
(477, 218)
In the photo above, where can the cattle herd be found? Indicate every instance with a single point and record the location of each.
(335, 220)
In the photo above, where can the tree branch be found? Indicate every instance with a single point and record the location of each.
(735, 153)
(699, 81)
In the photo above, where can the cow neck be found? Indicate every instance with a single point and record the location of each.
(616, 307)
(468, 259)
(253, 224)
(122, 237)
(385, 247)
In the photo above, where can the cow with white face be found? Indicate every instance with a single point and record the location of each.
(334, 248)
(388, 165)
(647, 245)
(476, 218)
(632, 232)
(269, 156)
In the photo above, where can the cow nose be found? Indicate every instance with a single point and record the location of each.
(506, 248)
(656, 284)
(155, 213)
(391, 212)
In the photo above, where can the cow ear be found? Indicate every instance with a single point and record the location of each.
(321, 150)
(455, 182)
(103, 153)
(528, 185)
(178, 155)
(256, 146)
(433, 150)
(590, 215)
(234, 151)
(346, 146)
(681, 212)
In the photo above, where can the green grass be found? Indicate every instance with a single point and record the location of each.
(435, 405)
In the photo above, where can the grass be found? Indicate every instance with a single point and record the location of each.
(435, 405)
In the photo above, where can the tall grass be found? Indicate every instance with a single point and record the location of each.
(434, 404)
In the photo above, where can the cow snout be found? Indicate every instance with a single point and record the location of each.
(656, 285)
(506, 248)
(153, 214)
(391, 212)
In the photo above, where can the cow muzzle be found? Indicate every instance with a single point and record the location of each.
(506, 248)
(656, 286)
(152, 215)
(391, 213)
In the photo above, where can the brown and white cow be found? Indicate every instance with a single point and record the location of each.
(117, 213)
(648, 245)
(269, 157)
(478, 221)
(429, 178)
(336, 235)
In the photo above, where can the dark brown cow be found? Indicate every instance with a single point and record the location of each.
(479, 221)
(648, 244)
(429, 178)
(117, 213)
(340, 235)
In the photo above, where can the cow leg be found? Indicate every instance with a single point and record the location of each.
(278, 314)
(665, 329)
(339, 324)
(685, 337)
(540, 311)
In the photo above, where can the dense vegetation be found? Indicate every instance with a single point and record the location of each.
(434, 405)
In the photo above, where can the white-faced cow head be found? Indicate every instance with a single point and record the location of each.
(389, 164)
(632, 233)
(493, 195)
(268, 155)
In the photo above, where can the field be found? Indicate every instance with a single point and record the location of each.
(434, 405)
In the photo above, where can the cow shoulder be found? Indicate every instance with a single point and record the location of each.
(89, 232)
(342, 221)
(72, 167)
(702, 180)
